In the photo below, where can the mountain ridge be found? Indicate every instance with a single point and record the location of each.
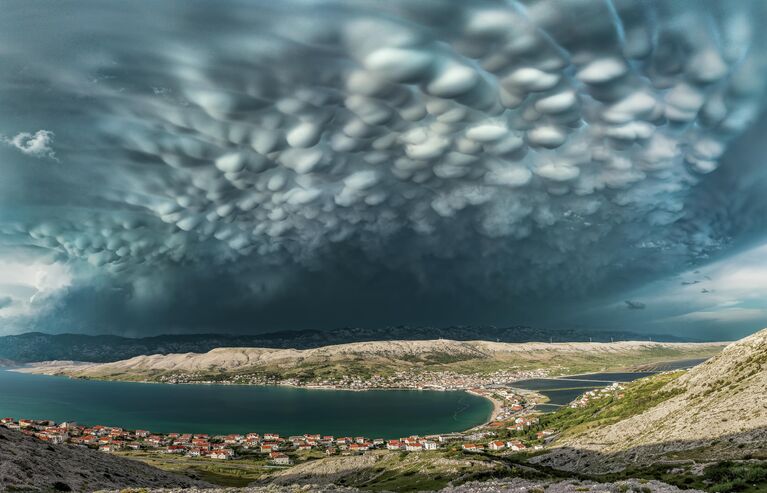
(375, 357)
(39, 346)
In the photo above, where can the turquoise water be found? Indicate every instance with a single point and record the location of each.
(223, 409)
(563, 390)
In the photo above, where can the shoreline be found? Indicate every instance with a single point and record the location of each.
(497, 406)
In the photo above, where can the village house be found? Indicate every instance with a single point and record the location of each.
(175, 449)
(496, 445)
(394, 445)
(516, 445)
(201, 443)
(472, 447)
(154, 440)
(413, 447)
(280, 459)
(543, 434)
(233, 439)
(56, 438)
(270, 447)
(411, 439)
(452, 437)
(221, 454)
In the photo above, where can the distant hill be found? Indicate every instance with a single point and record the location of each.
(715, 411)
(36, 346)
(382, 357)
(29, 464)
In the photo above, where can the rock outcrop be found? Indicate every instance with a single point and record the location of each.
(29, 464)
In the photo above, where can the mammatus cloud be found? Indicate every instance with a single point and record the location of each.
(400, 157)
(38, 144)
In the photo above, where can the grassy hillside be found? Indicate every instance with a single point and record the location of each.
(636, 398)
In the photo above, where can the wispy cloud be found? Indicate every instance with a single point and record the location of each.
(727, 315)
(635, 305)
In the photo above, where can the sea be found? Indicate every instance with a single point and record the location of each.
(224, 409)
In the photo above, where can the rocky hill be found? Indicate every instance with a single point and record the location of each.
(28, 464)
(36, 346)
(516, 485)
(717, 410)
(382, 356)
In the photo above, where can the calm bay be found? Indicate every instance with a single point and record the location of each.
(223, 409)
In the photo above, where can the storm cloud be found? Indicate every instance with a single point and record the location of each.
(242, 166)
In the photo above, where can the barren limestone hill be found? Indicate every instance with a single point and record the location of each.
(28, 464)
(387, 355)
(515, 485)
(719, 407)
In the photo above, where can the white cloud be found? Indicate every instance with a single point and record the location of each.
(725, 315)
(26, 284)
(39, 144)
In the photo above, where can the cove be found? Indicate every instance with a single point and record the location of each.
(224, 409)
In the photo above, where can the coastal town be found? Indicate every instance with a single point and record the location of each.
(277, 449)
(405, 380)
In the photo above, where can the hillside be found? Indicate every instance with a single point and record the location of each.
(28, 464)
(516, 485)
(365, 358)
(36, 346)
(715, 411)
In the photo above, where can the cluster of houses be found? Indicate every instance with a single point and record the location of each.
(615, 390)
(510, 403)
(223, 447)
(496, 445)
(521, 423)
(432, 380)
(113, 439)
